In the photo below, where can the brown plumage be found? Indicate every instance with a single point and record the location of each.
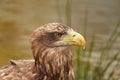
(52, 55)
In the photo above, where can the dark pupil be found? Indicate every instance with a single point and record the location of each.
(58, 34)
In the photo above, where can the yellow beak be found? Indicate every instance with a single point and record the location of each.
(74, 38)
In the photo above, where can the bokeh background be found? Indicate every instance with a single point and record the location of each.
(18, 19)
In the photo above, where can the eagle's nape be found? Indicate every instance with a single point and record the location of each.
(52, 54)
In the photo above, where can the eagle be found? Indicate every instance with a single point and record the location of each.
(51, 48)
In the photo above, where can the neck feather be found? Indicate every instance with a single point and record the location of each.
(53, 64)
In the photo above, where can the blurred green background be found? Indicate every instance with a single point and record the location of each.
(18, 19)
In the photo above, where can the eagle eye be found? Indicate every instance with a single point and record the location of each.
(57, 35)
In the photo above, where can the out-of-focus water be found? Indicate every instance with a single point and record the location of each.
(18, 18)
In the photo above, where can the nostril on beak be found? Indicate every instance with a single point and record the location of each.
(74, 35)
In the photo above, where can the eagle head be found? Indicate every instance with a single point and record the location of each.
(57, 35)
